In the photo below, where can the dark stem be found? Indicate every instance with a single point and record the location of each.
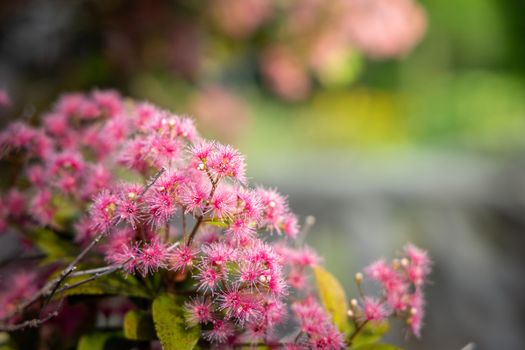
(194, 231)
(201, 217)
(152, 182)
(356, 332)
(36, 322)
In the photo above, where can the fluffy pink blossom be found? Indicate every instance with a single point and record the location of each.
(225, 161)
(220, 332)
(199, 310)
(374, 310)
(103, 211)
(181, 258)
(240, 306)
(108, 101)
(42, 208)
(313, 321)
(150, 257)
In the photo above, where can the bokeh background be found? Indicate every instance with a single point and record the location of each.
(388, 120)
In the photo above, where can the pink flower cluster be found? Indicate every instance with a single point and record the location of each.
(402, 284)
(186, 209)
(314, 323)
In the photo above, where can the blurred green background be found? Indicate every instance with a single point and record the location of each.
(424, 143)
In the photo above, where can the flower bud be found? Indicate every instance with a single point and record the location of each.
(358, 278)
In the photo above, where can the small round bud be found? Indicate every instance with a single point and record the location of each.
(171, 122)
(353, 302)
(413, 311)
(396, 264)
(272, 204)
(201, 166)
(262, 278)
(309, 220)
(350, 313)
(404, 262)
(359, 277)
(132, 195)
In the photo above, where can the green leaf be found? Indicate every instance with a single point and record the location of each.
(371, 333)
(95, 341)
(138, 325)
(114, 284)
(333, 298)
(375, 347)
(217, 223)
(168, 316)
(53, 246)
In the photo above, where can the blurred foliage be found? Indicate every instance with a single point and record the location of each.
(462, 86)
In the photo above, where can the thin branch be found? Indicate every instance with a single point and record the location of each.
(152, 182)
(356, 332)
(167, 231)
(201, 217)
(195, 229)
(33, 323)
(97, 275)
(183, 219)
(91, 271)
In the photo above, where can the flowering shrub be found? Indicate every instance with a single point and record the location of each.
(119, 198)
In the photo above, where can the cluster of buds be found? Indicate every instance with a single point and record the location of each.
(402, 294)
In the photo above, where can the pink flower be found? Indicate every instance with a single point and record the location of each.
(241, 306)
(374, 310)
(419, 265)
(218, 254)
(416, 313)
(130, 204)
(70, 103)
(42, 208)
(108, 101)
(313, 321)
(241, 230)
(209, 277)
(220, 332)
(193, 196)
(15, 203)
(305, 257)
(117, 242)
(151, 256)
(223, 203)
(144, 114)
(198, 310)
(133, 155)
(249, 203)
(36, 175)
(289, 225)
(181, 258)
(202, 150)
(161, 205)
(103, 211)
(126, 255)
(226, 161)
(274, 207)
